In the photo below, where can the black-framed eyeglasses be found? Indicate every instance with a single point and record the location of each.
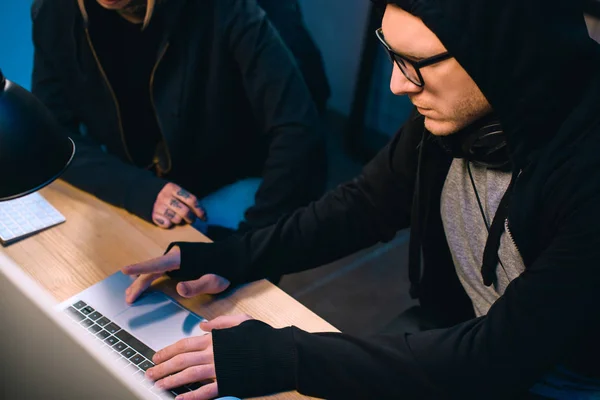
(410, 69)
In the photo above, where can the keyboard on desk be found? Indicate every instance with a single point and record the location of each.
(25, 216)
(130, 354)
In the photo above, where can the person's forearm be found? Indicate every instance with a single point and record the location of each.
(112, 180)
(312, 236)
(255, 359)
(369, 209)
(294, 175)
(342, 222)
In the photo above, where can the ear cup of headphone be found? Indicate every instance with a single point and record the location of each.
(482, 143)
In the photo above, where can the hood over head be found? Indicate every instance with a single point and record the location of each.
(533, 59)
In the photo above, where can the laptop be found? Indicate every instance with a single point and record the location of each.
(92, 346)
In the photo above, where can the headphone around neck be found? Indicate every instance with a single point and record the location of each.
(483, 143)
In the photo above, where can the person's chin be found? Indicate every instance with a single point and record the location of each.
(440, 127)
(113, 4)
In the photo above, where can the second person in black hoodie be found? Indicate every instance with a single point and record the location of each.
(170, 100)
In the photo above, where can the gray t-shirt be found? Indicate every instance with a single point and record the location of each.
(466, 231)
(466, 234)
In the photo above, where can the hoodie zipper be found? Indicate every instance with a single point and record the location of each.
(507, 226)
(510, 236)
(112, 93)
(156, 159)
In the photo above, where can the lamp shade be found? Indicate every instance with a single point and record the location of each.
(34, 150)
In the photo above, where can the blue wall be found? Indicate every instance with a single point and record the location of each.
(338, 27)
(16, 50)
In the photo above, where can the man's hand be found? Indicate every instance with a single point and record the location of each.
(175, 205)
(190, 361)
(151, 270)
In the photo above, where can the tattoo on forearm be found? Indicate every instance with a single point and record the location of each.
(184, 194)
(175, 203)
(170, 214)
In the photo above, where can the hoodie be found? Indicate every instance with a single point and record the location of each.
(540, 71)
(223, 97)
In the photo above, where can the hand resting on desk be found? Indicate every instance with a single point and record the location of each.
(151, 270)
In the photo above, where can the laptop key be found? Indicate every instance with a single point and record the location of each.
(95, 329)
(87, 310)
(194, 386)
(103, 334)
(111, 340)
(87, 323)
(136, 359)
(79, 305)
(180, 390)
(119, 346)
(103, 321)
(95, 315)
(112, 328)
(128, 353)
(73, 313)
(135, 344)
(145, 365)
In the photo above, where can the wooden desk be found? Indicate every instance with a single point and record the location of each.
(98, 239)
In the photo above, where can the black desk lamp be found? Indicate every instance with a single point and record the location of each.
(33, 149)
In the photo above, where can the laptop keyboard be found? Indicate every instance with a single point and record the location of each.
(129, 353)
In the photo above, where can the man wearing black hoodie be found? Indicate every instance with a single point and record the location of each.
(168, 101)
(498, 175)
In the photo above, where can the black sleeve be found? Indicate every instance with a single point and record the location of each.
(286, 16)
(369, 209)
(542, 318)
(294, 172)
(92, 170)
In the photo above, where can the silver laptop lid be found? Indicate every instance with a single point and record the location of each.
(44, 356)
